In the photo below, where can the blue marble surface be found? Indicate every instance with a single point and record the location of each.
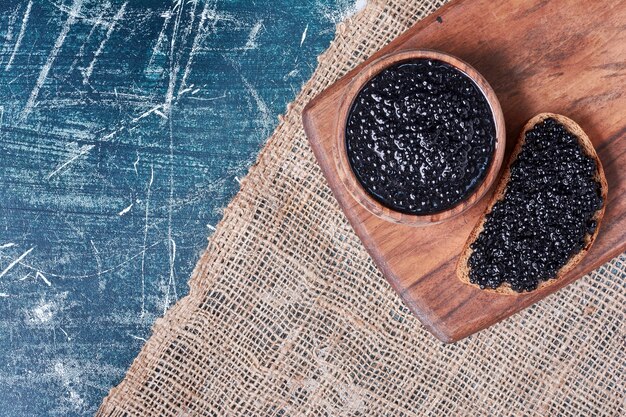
(124, 128)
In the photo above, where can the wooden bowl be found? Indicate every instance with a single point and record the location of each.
(344, 168)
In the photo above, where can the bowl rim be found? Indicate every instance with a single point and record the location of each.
(344, 168)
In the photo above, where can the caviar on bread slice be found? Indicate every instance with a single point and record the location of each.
(544, 215)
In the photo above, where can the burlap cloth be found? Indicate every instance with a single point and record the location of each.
(287, 314)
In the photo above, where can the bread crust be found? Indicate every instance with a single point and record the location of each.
(463, 268)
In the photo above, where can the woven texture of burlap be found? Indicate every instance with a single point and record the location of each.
(288, 316)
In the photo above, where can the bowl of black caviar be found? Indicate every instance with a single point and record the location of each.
(424, 137)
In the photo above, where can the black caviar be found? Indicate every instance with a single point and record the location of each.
(544, 216)
(420, 136)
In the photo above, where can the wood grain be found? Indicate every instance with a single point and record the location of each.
(561, 56)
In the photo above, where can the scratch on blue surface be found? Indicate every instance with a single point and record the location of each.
(125, 127)
(96, 55)
(45, 69)
(18, 42)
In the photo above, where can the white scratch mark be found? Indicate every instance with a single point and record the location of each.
(291, 73)
(43, 278)
(20, 36)
(107, 36)
(172, 281)
(14, 79)
(147, 113)
(210, 226)
(170, 209)
(253, 36)
(136, 163)
(7, 245)
(83, 150)
(125, 210)
(137, 337)
(76, 6)
(76, 14)
(145, 241)
(215, 16)
(266, 115)
(167, 16)
(101, 280)
(69, 339)
(238, 180)
(4, 295)
(15, 262)
(188, 29)
(169, 97)
(192, 13)
(112, 134)
(306, 29)
(208, 98)
(105, 271)
(185, 90)
(160, 113)
(200, 34)
(81, 51)
(174, 64)
(25, 277)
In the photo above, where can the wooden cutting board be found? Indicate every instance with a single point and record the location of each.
(560, 56)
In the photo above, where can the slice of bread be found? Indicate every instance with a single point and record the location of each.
(463, 268)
